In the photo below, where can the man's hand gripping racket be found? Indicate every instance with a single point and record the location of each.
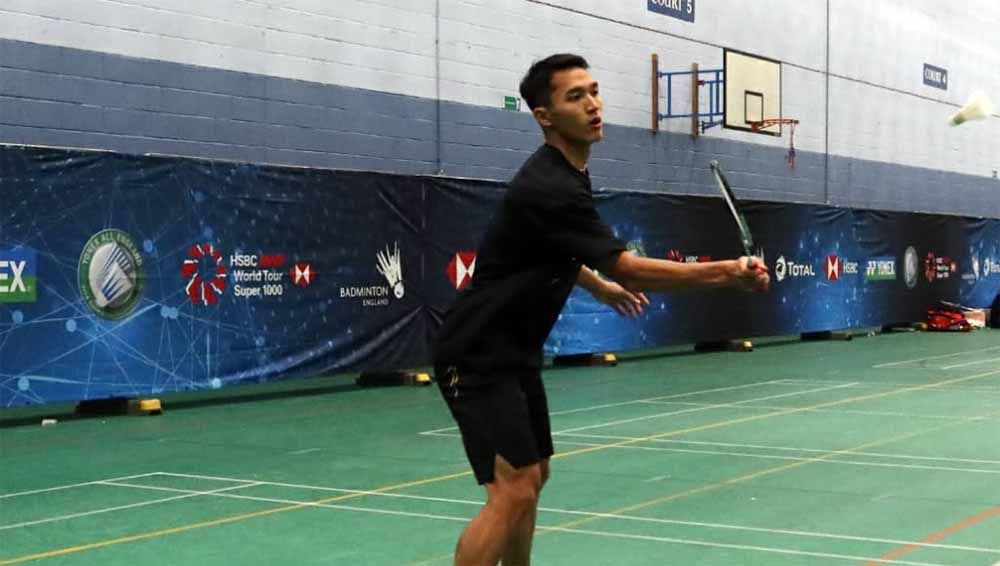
(753, 274)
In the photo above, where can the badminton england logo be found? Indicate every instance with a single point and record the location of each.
(389, 264)
(110, 274)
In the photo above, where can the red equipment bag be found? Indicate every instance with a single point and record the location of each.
(947, 321)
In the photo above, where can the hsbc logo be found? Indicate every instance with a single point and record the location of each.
(835, 267)
(461, 269)
(303, 274)
(676, 255)
(785, 268)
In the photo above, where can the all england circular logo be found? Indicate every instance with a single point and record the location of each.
(110, 274)
(911, 267)
(204, 286)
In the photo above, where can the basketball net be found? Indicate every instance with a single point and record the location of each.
(791, 123)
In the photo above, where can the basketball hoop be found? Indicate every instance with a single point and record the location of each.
(759, 125)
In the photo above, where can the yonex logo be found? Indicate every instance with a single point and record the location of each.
(18, 283)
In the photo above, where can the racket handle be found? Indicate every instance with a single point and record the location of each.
(751, 263)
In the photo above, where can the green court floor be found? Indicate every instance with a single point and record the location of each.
(884, 449)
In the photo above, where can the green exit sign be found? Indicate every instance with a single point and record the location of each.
(511, 103)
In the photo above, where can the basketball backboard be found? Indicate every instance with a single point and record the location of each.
(752, 91)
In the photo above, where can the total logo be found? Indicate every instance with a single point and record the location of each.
(207, 272)
(984, 269)
(991, 267)
(388, 264)
(461, 269)
(785, 268)
(836, 267)
(18, 282)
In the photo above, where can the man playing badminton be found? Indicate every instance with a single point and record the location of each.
(546, 236)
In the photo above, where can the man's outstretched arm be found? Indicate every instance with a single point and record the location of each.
(612, 294)
(646, 274)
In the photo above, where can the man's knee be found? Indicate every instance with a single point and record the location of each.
(517, 488)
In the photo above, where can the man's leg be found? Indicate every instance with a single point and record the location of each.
(511, 498)
(518, 551)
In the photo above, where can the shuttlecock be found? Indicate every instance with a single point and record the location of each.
(978, 106)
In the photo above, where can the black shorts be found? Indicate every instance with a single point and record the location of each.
(506, 415)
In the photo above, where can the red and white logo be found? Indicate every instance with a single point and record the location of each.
(833, 268)
(677, 255)
(303, 274)
(461, 268)
(204, 285)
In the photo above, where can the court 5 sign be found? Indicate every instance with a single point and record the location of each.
(680, 9)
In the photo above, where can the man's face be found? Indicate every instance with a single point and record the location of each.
(575, 110)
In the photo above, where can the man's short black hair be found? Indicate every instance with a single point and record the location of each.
(536, 86)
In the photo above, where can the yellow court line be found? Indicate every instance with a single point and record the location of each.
(781, 413)
(761, 473)
(558, 528)
(254, 514)
(222, 521)
(747, 477)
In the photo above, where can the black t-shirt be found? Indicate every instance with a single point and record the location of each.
(526, 266)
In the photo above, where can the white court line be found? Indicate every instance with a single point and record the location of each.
(697, 409)
(557, 529)
(843, 411)
(890, 364)
(74, 485)
(748, 455)
(302, 503)
(792, 449)
(739, 546)
(190, 494)
(897, 384)
(986, 361)
(810, 534)
(635, 401)
(785, 458)
(305, 451)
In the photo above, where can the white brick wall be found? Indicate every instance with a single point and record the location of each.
(879, 107)
(375, 44)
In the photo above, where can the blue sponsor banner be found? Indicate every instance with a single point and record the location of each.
(178, 274)
(935, 77)
(18, 279)
(680, 9)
